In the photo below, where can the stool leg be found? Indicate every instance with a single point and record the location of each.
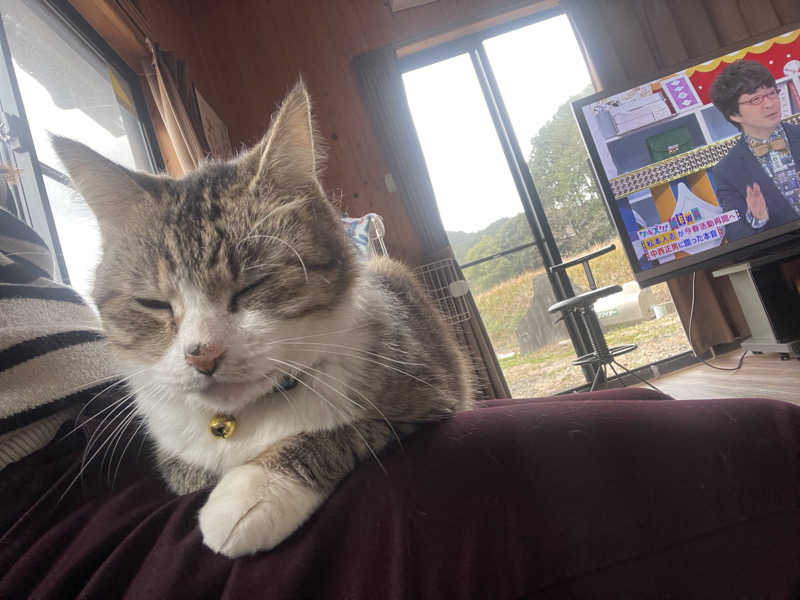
(611, 364)
(596, 334)
(599, 346)
(642, 379)
(600, 369)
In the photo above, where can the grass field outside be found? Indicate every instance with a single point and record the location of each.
(548, 369)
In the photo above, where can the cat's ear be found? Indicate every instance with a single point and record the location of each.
(290, 151)
(110, 190)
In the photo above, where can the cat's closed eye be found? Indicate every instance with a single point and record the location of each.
(154, 304)
(234, 304)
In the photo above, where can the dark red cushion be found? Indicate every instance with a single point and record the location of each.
(599, 496)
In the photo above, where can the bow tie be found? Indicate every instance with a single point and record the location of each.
(761, 148)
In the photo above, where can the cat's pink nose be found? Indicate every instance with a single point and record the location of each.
(205, 358)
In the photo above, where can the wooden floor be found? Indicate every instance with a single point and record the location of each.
(761, 376)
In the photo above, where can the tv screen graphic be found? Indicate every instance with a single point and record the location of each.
(653, 147)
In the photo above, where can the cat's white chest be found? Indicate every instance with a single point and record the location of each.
(182, 427)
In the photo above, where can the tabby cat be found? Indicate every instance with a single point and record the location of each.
(265, 359)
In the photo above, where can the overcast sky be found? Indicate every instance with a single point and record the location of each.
(537, 67)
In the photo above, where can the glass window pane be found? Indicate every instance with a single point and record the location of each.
(467, 166)
(482, 213)
(537, 92)
(78, 233)
(475, 193)
(538, 68)
(68, 89)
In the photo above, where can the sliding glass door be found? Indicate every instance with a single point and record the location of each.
(485, 221)
(516, 194)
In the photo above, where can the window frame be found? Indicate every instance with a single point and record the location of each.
(543, 238)
(472, 45)
(36, 210)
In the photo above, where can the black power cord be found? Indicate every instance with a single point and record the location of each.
(691, 317)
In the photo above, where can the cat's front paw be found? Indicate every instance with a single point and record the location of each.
(253, 509)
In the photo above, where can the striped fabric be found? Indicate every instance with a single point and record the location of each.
(52, 355)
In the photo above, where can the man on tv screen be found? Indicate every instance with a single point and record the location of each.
(759, 175)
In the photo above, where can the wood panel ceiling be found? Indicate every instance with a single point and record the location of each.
(245, 55)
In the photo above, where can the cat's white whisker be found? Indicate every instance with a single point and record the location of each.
(111, 406)
(277, 266)
(288, 400)
(304, 384)
(86, 461)
(316, 335)
(307, 371)
(333, 405)
(117, 408)
(83, 424)
(354, 390)
(107, 422)
(118, 434)
(285, 243)
(119, 381)
(108, 441)
(257, 224)
(357, 357)
(125, 449)
(114, 378)
(133, 416)
(117, 405)
(376, 354)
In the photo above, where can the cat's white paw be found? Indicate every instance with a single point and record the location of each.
(254, 509)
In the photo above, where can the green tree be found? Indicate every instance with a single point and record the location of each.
(462, 241)
(559, 165)
(560, 168)
(501, 235)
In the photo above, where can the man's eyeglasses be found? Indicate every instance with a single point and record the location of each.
(756, 100)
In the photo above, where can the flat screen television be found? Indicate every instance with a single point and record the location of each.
(652, 146)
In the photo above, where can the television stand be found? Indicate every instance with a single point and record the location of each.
(770, 306)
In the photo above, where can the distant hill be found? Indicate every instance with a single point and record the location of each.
(569, 198)
(500, 235)
(462, 241)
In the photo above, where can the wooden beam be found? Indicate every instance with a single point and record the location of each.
(477, 26)
(121, 25)
(124, 28)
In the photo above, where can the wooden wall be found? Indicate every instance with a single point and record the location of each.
(245, 54)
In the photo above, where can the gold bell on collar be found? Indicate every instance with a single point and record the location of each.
(222, 426)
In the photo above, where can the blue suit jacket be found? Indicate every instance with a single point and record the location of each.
(739, 169)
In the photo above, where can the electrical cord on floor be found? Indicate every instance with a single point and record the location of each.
(691, 317)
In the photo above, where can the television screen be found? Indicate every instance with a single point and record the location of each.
(653, 146)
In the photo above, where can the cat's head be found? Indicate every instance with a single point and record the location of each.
(208, 280)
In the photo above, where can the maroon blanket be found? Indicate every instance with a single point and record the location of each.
(582, 496)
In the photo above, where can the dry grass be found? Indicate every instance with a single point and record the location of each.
(549, 369)
(504, 305)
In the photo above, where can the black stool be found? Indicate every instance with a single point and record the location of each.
(583, 305)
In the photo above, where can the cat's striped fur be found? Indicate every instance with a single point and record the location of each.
(247, 262)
